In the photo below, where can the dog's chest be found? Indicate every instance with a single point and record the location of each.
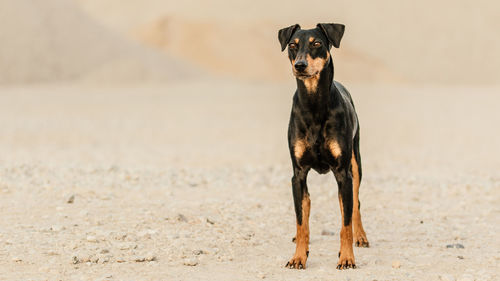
(317, 153)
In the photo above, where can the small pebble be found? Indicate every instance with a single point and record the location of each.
(198, 252)
(17, 259)
(91, 238)
(457, 246)
(94, 259)
(147, 233)
(327, 232)
(145, 259)
(103, 259)
(460, 257)
(396, 264)
(181, 218)
(113, 168)
(190, 262)
(71, 199)
(56, 228)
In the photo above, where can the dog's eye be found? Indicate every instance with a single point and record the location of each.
(292, 46)
(316, 44)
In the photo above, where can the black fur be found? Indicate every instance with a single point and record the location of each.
(333, 32)
(285, 34)
(326, 113)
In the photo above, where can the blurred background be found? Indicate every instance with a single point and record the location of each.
(183, 78)
(432, 42)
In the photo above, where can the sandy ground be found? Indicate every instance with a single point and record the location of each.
(169, 183)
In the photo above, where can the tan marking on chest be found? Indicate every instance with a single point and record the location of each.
(334, 148)
(299, 148)
(311, 84)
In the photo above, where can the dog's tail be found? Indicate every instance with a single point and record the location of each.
(357, 153)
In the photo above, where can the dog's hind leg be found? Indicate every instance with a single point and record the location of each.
(360, 239)
(302, 204)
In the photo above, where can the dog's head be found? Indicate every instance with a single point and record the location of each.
(309, 50)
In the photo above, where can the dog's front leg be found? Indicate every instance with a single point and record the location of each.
(302, 208)
(346, 254)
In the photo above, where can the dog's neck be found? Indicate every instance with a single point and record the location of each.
(315, 91)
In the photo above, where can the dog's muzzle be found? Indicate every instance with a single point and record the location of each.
(300, 65)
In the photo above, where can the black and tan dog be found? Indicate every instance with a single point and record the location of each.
(323, 134)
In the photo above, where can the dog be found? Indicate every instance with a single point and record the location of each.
(323, 135)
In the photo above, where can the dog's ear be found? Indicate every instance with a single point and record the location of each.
(333, 31)
(285, 34)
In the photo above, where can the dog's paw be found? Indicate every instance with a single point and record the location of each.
(298, 261)
(346, 261)
(360, 240)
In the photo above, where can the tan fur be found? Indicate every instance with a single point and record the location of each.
(360, 239)
(346, 258)
(302, 236)
(299, 148)
(315, 66)
(334, 148)
(346, 254)
(311, 84)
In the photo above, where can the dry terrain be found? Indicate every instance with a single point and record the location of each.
(170, 183)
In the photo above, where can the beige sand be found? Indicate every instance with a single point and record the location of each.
(172, 184)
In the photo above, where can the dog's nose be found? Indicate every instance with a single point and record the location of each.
(300, 65)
